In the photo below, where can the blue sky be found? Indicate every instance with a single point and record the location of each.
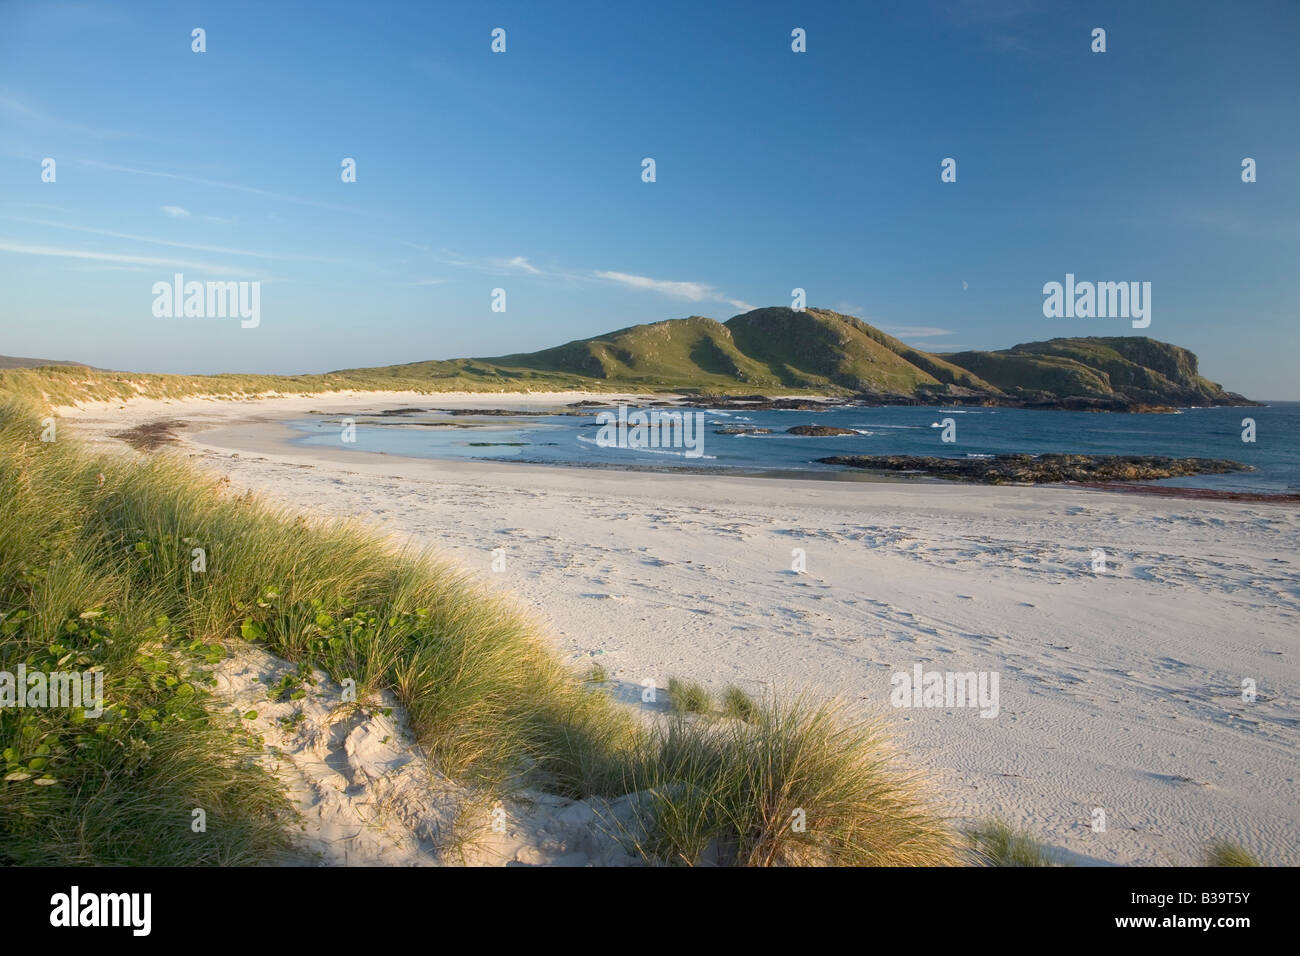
(522, 171)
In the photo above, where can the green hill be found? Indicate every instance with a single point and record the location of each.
(1131, 369)
(817, 350)
(696, 349)
(821, 349)
(13, 361)
(766, 351)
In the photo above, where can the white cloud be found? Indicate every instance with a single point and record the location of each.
(915, 331)
(492, 265)
(519, 262)
(24, 249)
(265, 193)
(694, 291)
(691, 291)
(10, 103)
(176, 212)
(199, 247)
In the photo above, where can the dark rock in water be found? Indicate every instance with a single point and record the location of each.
(882, 399)
(1040, 401)
(741, 430)
(1033, 469)
(820, 431)
(510, 412)
(1083, 403)
(401, 411)
(759, 403)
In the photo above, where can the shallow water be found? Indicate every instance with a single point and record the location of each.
(571, 440)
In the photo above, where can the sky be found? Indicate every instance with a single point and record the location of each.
(523, 171)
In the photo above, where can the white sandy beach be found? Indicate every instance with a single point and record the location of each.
(1120, 690)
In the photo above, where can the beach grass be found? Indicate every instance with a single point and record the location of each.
(998, 843)
(1225, 853)
(738, 705)
(122, 788)
(688, 697)
(804, 784)
(100, 560)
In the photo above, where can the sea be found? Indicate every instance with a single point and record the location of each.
(570, 440)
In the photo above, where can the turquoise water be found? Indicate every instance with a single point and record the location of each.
(571, 440)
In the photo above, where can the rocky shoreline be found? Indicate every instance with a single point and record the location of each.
(1041, 469)
(819, 431)
(957, 398)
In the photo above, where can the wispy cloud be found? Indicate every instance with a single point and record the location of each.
(236, 187)
(694, 291)
(15, 106)
(899, 331)
(491, 265)
(915, 331)
(520, 265)
(691, 291)
(176, 212)
(197, 247)
(26, 249)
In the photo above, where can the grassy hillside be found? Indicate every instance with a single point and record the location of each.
(824, 350)
(67, 385)
(13, 361)
(1024, 374)
(1134, 368)
(779, 350)
(695, 352)
(772, 351)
